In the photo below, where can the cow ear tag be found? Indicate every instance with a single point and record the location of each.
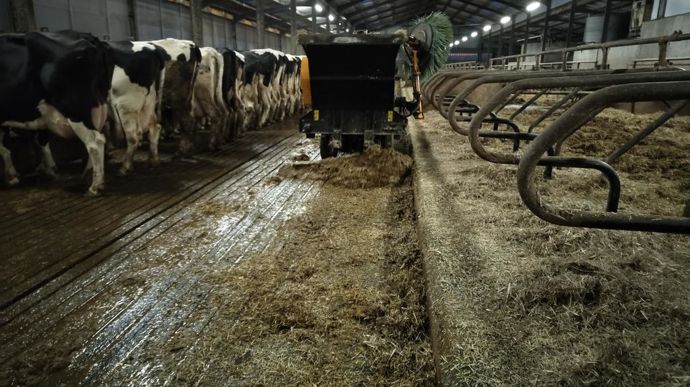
(316, 115)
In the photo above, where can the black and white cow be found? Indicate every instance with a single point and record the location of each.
(278, 87)
(259, 79)
(233, 92)
(209, 104)
(57, 82)
(178, 88)
(135, 95)
(292, 89)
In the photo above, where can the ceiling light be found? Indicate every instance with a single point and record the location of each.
(347, 30)
(533, 6)
(464, 38)
(457, 42)
(331, 17)
(505, 19)
(451, 45)
(487, 28)
(318, 8)
(474, 34)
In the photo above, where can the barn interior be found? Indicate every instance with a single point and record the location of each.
(345, 192)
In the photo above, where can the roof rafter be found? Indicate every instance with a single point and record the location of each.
(412, 5)
(365, 13)
(395, 19)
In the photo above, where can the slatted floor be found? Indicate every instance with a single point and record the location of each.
(86, 283)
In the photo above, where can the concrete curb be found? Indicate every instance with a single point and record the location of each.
(426, 185)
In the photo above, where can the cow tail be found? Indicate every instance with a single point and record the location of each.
(159, 96)
(219, 80)
(195, 55)
(119, 129)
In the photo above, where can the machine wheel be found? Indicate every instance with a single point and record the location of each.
(326, 149)
(353, 143)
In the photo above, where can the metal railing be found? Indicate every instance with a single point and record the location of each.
(464, 66)
(654, 62)
(662, 60)
(580, 95)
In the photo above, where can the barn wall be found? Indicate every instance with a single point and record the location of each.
(246, 37)
(118, 20)
(5, 22)
(155, 19)
(53, 15)
(623, 57)
(103, 18)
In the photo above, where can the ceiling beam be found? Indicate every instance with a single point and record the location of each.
(372, 10)
(510, 4)
(395, 19)
(348, 5)
(479, 6)
(412, 5)
(374, 6)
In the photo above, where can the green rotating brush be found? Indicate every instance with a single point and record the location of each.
(434, 33)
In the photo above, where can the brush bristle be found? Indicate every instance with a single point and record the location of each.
(442, 34)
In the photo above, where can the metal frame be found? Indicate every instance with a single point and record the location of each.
(662, 41)
(571, 121)
(540, 86)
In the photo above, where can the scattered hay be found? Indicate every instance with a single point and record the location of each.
(299, 156)
(338, 300)
(218, 208)
(655, 173)
(375, 167)
(531, 303)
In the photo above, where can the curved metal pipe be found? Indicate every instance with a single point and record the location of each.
(582, 112)
(505, 78)
(475, 132)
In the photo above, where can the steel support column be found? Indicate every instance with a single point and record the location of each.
(547, 16)
(661, 10)
(22, 13)
(607, 16)
(132, 18)
(489, 44)
(293, 26)
(480, 51)
(260, 25)
(160, 13)
(107, 18)
(197, 22)
(524, 44)
(571, 21)
(313, 16)
(512, 36)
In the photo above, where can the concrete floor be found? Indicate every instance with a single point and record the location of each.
(87, 281)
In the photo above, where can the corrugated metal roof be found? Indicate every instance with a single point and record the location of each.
(375, 15)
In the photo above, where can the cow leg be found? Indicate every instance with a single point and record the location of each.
(213, 140)
(130, 125)
(149, 121)
(275, 107)
(47, 163)
(95, 146)
(229, 130)
(219, 129)
(154, 135)
(265, 102)
(275, 113)
(10, 172)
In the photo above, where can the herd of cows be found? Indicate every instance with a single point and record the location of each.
(73, 84)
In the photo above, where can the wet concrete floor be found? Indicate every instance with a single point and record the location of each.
(86, 283)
